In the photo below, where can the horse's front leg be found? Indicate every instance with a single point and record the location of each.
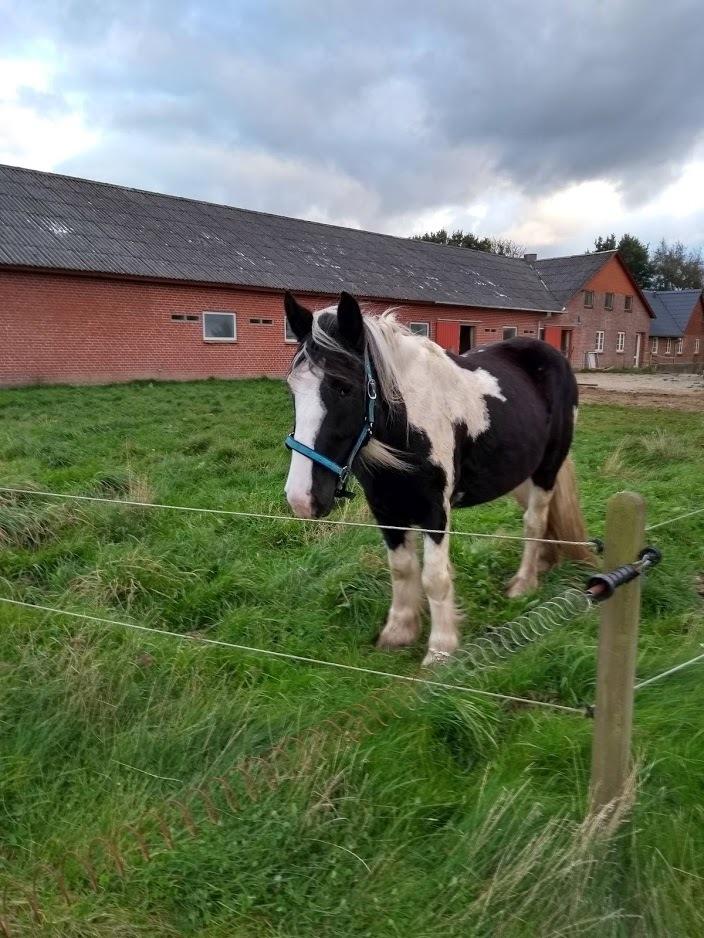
(403, 622)
(440, 590)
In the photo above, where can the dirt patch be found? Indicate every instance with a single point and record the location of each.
(692, 402)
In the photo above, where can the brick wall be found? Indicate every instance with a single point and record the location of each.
(63, 328)
(612, 278)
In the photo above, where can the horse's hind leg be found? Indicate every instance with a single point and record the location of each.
(403, 622)
(536, 502)
(439, 588)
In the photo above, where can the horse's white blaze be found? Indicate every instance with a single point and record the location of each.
(310, 412)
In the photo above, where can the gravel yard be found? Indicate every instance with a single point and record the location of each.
(676, 392)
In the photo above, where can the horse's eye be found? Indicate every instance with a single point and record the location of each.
(342, 390)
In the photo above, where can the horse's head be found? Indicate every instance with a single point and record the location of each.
(327, 381)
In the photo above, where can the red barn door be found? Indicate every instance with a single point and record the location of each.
(448, 335)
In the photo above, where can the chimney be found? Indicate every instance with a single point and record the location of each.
(530, 258)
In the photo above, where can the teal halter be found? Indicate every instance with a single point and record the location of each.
(365, 434)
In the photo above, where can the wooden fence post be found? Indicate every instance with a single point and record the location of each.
(618, 644)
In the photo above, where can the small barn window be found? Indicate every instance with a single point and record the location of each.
(680, 346)
(289, 334)
(654, 346)
(608, 301)
(668, 347)
(696, 346)
(620, 341)
(219, 327)
(599, 344)
(628, 304)
(588, 299)
(261, 322)
(420, 328)
(184, 317)
(510, 332)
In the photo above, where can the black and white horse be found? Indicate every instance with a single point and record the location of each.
(425, 430)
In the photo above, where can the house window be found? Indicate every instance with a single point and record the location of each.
(219, 327)
(599, 344)
(588, 299)
(654, 346)
(680, 346)
(608, 301)
(668, 347)
(628, 304)
(541, 333)
(696, 346)
(289, 335)
(420, 328)
(510, 332)
(620, 341)
(184, 317)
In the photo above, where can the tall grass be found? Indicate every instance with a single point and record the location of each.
(357, 807)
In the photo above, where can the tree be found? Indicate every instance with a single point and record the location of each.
(676, 267)
(634, 254)
(461, 239)
(604, 244)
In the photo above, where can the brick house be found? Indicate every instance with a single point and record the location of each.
(605, 319)
(677, 332)
(101, 283)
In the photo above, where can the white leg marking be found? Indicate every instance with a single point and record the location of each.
(309, 416)
(439, 588)
(403, 622)
(535, 521)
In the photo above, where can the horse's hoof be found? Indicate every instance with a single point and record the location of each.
(397, 635)
(519, 586)
(435, 656)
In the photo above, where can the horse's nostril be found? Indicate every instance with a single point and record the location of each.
(301, 505)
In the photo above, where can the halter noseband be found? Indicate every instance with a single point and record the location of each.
(343, 472)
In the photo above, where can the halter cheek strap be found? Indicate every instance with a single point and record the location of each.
(365, 434)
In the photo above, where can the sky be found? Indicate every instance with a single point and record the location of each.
(544, 121)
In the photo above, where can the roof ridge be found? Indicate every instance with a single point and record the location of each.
(567, 257)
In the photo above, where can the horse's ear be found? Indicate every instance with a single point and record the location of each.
(299, 318)
(349, 320)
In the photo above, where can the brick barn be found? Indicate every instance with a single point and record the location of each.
(677, 332)
(101, 283)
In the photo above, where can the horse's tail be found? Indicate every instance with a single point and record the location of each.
(565, 521)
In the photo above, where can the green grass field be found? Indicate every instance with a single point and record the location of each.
(157, 787)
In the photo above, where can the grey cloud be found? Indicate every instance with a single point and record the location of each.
(377, 111)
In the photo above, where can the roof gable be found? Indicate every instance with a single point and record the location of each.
(564, 276)
(673, 309)
(60, 222)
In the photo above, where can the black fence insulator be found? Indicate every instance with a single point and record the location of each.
(602, 586)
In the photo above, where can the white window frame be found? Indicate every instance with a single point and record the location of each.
(599, 343)
(668, 346)
(628, 303)
(590, 304)
(504, 337)
(289, 339)
(423, 325)
(696, 345)
(220, 312)
(620, 341)
(680, 346)
(654, 345)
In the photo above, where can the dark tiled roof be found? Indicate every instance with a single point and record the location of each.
(564, 276)
(59, 222)
(673, 310)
